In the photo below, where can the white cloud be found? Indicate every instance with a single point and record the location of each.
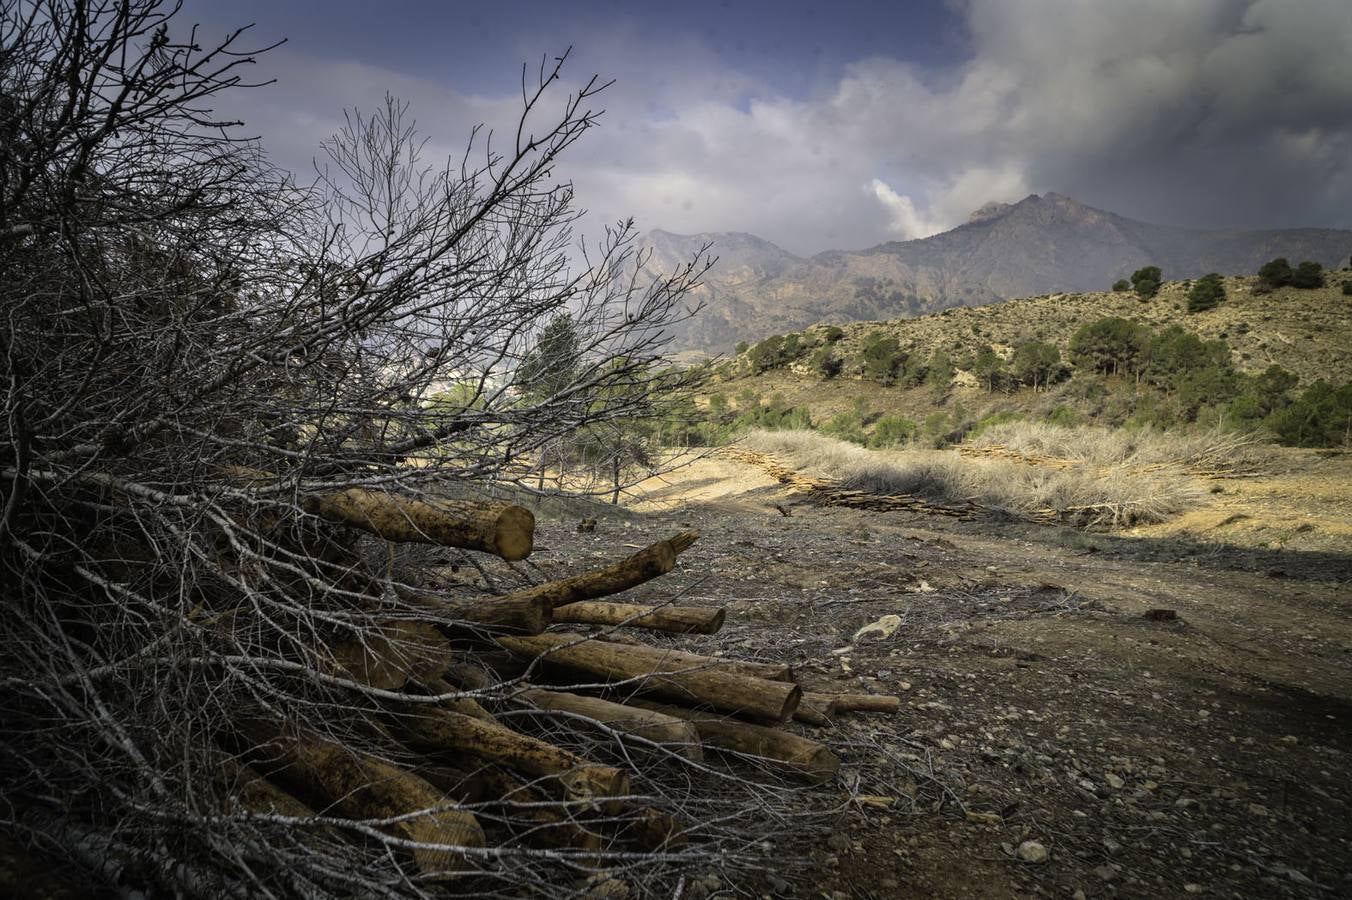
(903, 219)
(1205, 112)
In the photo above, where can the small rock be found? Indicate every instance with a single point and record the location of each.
(838, 842)
(1107, 873)
(1078, 895)
(1258, 809)
(884, 628)
(1032, 852)
(1114, 781)
(779, 885)
(1192, 887)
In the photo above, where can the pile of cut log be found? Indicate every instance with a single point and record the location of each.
(451, 672)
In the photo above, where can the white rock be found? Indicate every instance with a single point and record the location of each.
(884, 628)
(1032, 852)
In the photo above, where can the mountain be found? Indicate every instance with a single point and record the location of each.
(1040, 245)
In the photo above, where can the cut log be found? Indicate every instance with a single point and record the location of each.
(499, 528)
(514, 612)
(802, 756)
(466, 706)
(879, 703)
(768, 671)
(676, 619)
(259, 795)
(580, 779)
(532, 819)
(654, 831)
(645, 565)
(675, 735)
(657, 671)
(393, 653)
(816, 709)
(360, 786)
(528, 812)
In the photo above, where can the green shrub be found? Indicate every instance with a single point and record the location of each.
(1121, 285)
(1036, 364)
(1207, 293)
(989, 368)
(1347, 288)
(882, 358)
(825, 363)
(1320, 417)
(1173, 352)
(1308, 275)
(845, 426)
(742, 347)
(892, 431)
(1065, 416)
(1112, 345)
(1146, 281)
(832, 334)
(1275, 273)
(773, 352)
(939, 369)
(990, 420)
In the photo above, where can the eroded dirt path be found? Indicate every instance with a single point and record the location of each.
(1206, 755)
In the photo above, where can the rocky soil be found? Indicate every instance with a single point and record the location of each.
(1083, 715)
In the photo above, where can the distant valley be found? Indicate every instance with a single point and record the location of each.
(1040, 245)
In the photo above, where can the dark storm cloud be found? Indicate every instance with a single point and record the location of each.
(1206, 112)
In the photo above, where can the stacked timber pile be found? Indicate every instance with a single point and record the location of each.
(453, 674)
(823, 492)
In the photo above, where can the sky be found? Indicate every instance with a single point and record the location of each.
(842, 125)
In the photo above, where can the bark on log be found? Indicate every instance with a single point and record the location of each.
(499, 528)
(580, 779)
(259, 795)
(526, 810)
(361, 786)
(816, 709)
(801, 756)
(466, 706)
(674, 734)
(879, 703)
(533, 821)
(393, 653)
(514, 612)
(676, 619)
(654, 831)
(645, 565)
(769, 671)
(660, 672)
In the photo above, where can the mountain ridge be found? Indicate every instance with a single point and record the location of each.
(1042, 244)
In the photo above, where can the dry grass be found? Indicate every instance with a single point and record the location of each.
(1092, 498)
(1212, 451)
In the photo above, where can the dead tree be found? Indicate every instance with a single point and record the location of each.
(222, 393)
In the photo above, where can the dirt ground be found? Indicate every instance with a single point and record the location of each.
(1202, 751)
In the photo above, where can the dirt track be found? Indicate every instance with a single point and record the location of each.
(1207, 755)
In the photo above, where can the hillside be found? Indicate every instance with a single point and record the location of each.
(1306, 332)
(1040, 245)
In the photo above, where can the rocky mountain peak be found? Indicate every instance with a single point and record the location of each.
(991, 210)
